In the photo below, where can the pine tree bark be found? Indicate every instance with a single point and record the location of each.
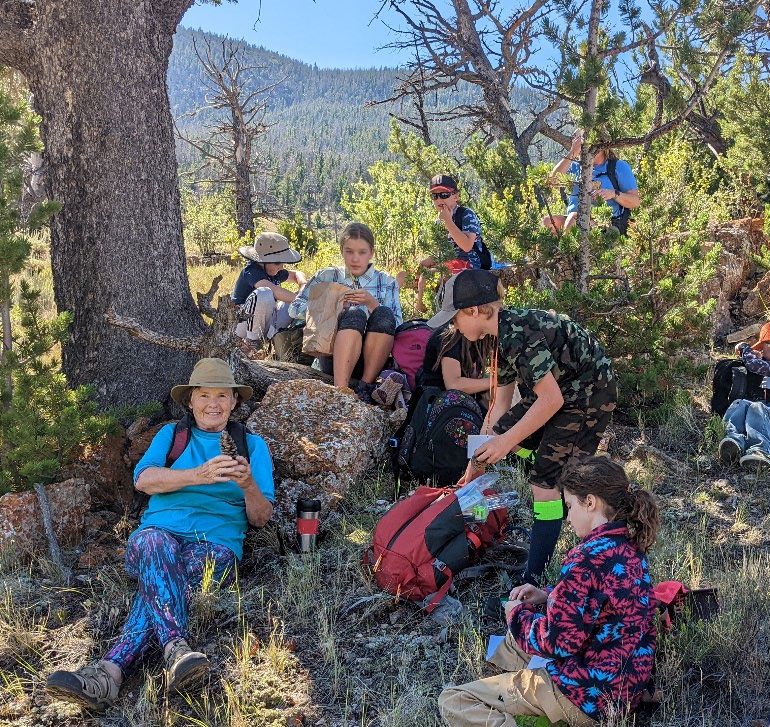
(97, 69)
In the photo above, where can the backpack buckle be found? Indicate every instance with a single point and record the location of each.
(440, 565)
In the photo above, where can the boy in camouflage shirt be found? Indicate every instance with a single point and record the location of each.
(567, 386)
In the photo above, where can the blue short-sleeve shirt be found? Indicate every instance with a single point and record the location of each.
(626, 182)
(250, 276)
(215, 513)
(468, 221)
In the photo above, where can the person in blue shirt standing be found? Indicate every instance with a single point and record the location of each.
(463, 232)
(621, 199)
(199, 509)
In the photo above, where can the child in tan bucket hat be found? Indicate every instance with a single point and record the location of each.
(264, 302)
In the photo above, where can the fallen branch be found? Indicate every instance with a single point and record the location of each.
(204, 299)
(137, 330)
(53, 545)
(643, 449)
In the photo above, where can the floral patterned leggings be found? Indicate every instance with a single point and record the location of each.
(169, 569)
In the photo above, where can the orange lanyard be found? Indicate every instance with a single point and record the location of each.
(492, 379)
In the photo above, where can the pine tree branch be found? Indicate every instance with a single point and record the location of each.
(137, 330)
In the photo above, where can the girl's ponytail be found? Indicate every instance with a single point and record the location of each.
(607, 480)
(642, 517)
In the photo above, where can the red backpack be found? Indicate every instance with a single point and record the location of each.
(423, 542)
(409, 347)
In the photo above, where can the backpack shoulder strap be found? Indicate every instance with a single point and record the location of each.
(238, 432)
(612, 174)
(413, 402)
(180, 440)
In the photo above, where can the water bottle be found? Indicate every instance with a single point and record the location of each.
(308, 512)
(505, 500)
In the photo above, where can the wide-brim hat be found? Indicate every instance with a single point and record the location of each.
(464, 290)
(764, 337)
(270, 247)
(213, 373)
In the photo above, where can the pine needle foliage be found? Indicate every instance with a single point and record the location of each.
(42, 421)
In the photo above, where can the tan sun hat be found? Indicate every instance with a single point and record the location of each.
(214, 373)
(270, 247)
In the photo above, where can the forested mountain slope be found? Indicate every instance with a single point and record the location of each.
(323, 134)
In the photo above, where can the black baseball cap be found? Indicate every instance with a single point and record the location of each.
(443, 183)
(464, 290)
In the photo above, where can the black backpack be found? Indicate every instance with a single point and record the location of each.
(431, 444)
(621, 221)
(732, 381)
(182, 435)
(484, 254)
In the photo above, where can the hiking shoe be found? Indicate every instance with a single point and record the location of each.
(387, 392)
(757, 458)
(729, 451)
(184, 667)
(91, 687)
(364, 392)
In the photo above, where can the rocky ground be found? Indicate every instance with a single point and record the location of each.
(308, 640)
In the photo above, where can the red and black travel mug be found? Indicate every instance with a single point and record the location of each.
(308, 512)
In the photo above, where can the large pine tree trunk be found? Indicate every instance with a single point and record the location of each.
(97, 69)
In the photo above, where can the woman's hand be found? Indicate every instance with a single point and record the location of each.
(362, 297)
(577, 144)
(527, 593)
(242, 473)
(221, 468)
(605, 194)
(493, 450)
(508, 608)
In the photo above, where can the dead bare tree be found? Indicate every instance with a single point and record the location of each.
(488, 47)
(228, 153)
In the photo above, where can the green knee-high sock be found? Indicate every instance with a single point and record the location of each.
(546, 527)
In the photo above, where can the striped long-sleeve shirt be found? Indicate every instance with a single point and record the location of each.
(381, 285)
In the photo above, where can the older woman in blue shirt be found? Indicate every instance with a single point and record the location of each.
(367, 325)
(199, 509)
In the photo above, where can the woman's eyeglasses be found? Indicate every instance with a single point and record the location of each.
(441, 195)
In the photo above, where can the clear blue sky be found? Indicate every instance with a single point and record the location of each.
(329, 33)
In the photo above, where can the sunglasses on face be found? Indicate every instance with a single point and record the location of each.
(441, 195)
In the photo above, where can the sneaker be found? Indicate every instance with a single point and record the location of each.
(387, 392)
(729, 450)
(91, 686)
(184, 667)
(364, 392)
(757, 458)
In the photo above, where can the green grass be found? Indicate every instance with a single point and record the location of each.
(293, 642)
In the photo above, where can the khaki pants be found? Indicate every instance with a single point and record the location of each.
(494, 701)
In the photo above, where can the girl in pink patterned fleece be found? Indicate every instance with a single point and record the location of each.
(597, 633)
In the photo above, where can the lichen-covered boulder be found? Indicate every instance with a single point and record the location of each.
(140, 443)
(21, 525)
(739, 240)
(322, 439)
(758, 300)
(313, 428)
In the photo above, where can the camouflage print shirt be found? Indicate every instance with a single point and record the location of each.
(533, 342)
